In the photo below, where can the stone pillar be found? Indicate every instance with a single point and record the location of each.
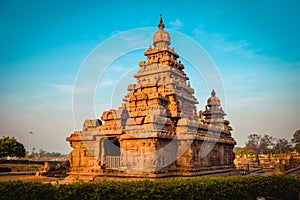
(101, 151)
(222, 156)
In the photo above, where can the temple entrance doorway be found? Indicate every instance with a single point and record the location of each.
(112, 153)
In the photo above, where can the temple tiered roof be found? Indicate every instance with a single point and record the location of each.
(156, 133)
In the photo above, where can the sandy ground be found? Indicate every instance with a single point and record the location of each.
(28, 178)
(44, 179)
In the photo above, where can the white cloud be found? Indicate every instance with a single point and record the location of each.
(177, 24)
(106, 82)
(220, 42)
(64, 88)
(119, 68)
(261, 90)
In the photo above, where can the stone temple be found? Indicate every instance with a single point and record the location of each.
(157, 132)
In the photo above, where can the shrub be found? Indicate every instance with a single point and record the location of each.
(276, 187)
(26, 190)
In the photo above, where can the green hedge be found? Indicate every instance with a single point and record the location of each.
(275, 187)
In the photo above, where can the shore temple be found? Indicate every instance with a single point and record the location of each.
(157, 132)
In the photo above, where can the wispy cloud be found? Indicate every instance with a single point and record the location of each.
(106, 82)
(119, 68)
(221, 43)
(64, 88)
(177, 24)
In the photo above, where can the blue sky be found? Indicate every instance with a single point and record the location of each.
(254, 44)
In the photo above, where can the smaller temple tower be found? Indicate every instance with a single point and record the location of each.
(214, 116)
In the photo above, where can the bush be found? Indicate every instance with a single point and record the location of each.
(26, 190)
(276, 187)
(9, 146)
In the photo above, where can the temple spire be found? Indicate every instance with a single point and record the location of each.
(161, 39)
(161, 25)
(213, 93)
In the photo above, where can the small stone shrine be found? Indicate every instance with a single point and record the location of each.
(157, 132)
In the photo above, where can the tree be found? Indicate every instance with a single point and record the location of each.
(296, 140)
(9, 146)
(266, 143)
(44, 153)
(253, 142)
(283, 146)
(243, 151)
(260, 144)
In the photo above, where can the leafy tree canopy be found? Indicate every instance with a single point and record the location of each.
(9, 146)
(243, 151)
(260, 144)
(296, 138)
(283, 146)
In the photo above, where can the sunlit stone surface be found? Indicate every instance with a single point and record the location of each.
(157, 132)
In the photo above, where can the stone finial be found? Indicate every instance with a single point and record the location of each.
(161, 39)
(161, 25)
(213, 93)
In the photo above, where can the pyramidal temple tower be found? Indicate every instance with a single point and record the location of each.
(157, 132)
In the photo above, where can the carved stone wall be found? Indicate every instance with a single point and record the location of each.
(157, 131)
